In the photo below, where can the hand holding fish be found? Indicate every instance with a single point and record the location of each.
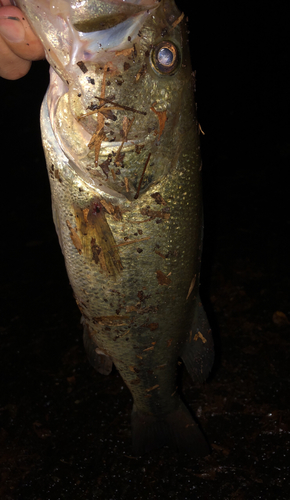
(18, 43)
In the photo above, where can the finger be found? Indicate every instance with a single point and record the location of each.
(12, 67)
(18, 35)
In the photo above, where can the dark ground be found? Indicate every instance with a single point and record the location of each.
(64, 429)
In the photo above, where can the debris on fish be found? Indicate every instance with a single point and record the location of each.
(121, 140)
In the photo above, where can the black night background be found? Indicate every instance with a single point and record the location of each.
(65, 429)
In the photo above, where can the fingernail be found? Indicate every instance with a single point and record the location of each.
(12, 29)
(11, 1)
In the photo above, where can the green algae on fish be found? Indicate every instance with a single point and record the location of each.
(121, 140)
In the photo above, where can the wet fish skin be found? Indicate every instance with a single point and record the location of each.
(128, 212)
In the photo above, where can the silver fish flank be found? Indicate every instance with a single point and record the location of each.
(121, 141)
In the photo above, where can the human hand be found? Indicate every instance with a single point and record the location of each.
(18, 43)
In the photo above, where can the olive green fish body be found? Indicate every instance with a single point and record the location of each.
(122, 147)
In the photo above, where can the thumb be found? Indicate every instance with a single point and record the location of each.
(18, 35)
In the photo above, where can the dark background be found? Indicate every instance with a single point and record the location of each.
(64, 429)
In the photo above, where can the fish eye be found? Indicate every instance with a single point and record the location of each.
(165, 58)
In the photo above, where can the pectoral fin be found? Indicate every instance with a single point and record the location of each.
(97, 358)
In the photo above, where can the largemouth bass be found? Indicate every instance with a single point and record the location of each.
(121, 141)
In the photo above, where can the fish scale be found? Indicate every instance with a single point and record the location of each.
(121, 141)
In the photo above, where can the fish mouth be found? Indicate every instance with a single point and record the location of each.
(124, 27)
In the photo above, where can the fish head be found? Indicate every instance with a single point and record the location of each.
(121, 72)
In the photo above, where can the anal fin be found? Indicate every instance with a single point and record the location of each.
(198, 351)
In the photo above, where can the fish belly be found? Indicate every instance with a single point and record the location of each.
(134, 269)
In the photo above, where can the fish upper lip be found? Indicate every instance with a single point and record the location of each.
(139, 3)
(109, 14)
